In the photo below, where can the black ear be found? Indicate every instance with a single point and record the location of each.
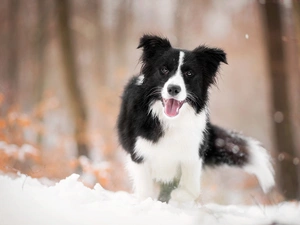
(153, 45)
(212, 58)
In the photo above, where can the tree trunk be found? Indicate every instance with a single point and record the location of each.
(180, 16)
(122, 30)
(41, 40)
(71, 77)
(12, 45)
(100, 43)
(40, 46)
(296, 13)
(288, 178)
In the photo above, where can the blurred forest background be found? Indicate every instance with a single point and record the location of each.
(64, 63)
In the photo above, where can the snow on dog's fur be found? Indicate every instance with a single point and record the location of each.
(164, 124)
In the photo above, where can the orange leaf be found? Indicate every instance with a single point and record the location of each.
(2, 122)
(24, 121)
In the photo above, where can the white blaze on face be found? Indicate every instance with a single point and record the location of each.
(172, 104)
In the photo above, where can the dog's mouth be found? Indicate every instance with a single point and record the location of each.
(172, 106)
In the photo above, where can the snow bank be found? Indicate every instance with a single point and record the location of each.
(26, 201)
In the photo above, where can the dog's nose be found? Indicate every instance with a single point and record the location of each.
(174, 89)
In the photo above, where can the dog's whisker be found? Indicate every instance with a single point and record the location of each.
(154, 91)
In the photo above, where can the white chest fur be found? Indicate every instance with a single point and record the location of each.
(180, 144)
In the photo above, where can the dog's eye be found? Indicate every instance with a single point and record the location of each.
(164, 70)
(188, 73)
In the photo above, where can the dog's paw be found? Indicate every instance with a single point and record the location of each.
(182, 195)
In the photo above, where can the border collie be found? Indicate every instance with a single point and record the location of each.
(164, 124)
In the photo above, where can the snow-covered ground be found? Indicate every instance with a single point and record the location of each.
(26, 201)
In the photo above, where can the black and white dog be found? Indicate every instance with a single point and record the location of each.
(164, 124)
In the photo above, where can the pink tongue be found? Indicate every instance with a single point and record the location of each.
(172, 107)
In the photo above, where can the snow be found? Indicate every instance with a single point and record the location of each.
(25, 200)
(21, 153)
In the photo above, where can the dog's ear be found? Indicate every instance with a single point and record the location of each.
(212, 57)
(153, 45)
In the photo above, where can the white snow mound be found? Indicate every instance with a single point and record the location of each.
(26, 201)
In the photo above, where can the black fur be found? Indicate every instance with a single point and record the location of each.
(134, 120)
(225, 147)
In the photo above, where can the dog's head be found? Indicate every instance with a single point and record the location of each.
(183, 76)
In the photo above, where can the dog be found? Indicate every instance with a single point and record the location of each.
(164, 124)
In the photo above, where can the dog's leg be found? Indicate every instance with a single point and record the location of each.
(143, 184)
(166, 189)
(189, 185)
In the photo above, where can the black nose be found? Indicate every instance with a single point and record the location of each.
(174, 89)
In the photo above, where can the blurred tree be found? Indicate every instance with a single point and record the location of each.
(296, 5)
(40, 45)
(296, 13)
(288, 177)
(100, 41)
(74, 95)
(122, 29)
(13, 53)
(180, 16)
